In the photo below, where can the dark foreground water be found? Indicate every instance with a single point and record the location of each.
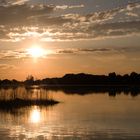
(94, 116)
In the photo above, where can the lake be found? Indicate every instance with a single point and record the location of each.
(96, 116)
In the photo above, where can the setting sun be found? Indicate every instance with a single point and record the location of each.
(36, 52)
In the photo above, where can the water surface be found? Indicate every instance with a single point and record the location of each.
(77, 117)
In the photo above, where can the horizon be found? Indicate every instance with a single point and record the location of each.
(36, 78)
(53, 38)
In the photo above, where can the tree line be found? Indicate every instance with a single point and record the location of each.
(79, 79)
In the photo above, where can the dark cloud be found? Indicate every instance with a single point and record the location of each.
(21, 14)
(115, 29)
(86, 50)
(96, 50)
(69, 51)
(3, 2)
(118, 26)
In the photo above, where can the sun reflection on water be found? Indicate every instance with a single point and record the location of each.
(35, 116)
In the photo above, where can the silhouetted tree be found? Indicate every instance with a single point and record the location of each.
(112, 75)
(80, 79)
(29, 80)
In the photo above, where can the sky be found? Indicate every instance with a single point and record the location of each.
(49, 38)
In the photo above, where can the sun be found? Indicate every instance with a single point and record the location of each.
(36, 51)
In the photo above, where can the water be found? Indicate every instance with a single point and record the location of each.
(94, 116)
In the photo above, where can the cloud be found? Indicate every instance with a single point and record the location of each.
(21, 54)
(90, 50)
(96, 50)
(116, 29)
(20, 14)
(132, 14)
(12, 2)
(12, 54)
(19, 2)
(66, 51)
(7, 67)
(64, 7)
(23, 21)
(106, 51)
(3, 2)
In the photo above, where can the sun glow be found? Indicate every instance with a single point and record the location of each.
(35, 116)
(36, 52)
